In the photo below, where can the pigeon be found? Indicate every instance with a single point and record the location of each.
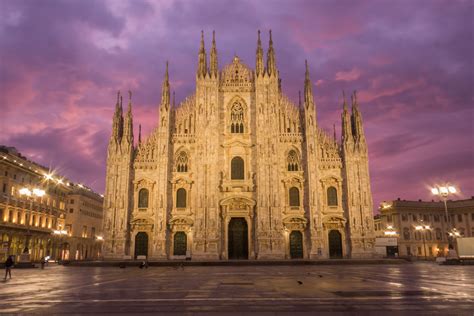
(299, 282)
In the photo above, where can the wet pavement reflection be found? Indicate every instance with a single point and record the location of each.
(408, 288)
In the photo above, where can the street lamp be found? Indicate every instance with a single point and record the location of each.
(443, 192)
(423, 228)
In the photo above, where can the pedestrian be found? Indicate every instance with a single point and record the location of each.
(8, 267)
(43, 261)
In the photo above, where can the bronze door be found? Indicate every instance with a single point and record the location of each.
(238, 239)
(335, 244)
(141, 244)
(296, 245)
(179, 244)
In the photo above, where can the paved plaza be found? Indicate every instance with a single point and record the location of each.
(419, 288)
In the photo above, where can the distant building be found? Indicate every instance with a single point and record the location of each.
(403, 217)
(33, 204)
(84, 223)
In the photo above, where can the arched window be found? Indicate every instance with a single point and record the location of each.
(406, 233)
(237, 168)
(438, 233)
(294, 196)
(292, 161)
(237, 118)
(181, 198)
(143, 198)
(332, 196)
(182, 162)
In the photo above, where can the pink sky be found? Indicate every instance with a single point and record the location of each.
(410, 61)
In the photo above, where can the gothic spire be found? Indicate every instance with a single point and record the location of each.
(358, 130)
(117, 125)
(139, 133)
(271, 63)
(308, 87)
(202, 65)
(128, 124)
(299, 98)
(165, 90)
(346, 122)
(213, 59)
(259, 70)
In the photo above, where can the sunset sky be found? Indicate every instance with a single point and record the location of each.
(62, 62)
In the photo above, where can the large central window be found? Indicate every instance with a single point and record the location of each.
(237, 118)
(237, 168)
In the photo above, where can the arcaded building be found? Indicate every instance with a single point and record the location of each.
(238, 171)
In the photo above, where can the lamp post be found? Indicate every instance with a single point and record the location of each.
(443, 192)
(423, 228)
(29, 195)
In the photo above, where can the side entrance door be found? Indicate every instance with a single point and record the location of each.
(296, 245)
(141, 244)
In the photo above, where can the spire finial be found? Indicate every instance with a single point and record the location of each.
(166, 72)
(129, 95)
(271, 40)
(118, 97)
(334, 129)
(344, 104)
(259, 41)
(121, 101)
(173, 99)
(139, 133)
(299, 98)
(213, 37)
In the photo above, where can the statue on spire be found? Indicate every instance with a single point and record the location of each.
(202, 65)
(165, 90)
(259, 69)
(308, 87)
(213, 58)
(271, 63)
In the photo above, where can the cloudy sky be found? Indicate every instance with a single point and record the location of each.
(62, 62)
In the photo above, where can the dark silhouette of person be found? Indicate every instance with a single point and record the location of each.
(8, 267)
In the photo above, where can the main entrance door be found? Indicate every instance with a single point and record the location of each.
(141, 244)
(238, 239)
(335, 244)
(296, 245)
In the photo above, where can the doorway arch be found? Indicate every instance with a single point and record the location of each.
(141, 244)
(296, 245)
(335, 244)
(238, 245)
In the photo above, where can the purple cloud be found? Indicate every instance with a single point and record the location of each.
(62, 62)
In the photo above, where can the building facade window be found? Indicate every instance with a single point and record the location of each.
(459, 218)
(293, 161)
(294, 196)
(182, 162)
(438, 234)
(237, 168)
(332, 196)
(406, 233)
(181, 198)
(415, 218)
(404, 217)
(436, 218)
(237, 118)
(143, 198)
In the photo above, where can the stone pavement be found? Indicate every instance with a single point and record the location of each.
(419, 288)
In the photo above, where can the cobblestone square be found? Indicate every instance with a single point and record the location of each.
(419, 288)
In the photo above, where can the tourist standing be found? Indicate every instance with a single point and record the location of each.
(8, 267)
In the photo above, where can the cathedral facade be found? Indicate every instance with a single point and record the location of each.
(238, 171)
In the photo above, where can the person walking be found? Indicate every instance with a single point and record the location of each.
(8, 267)
(43, 261)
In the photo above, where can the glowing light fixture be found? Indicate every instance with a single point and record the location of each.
(25, 191)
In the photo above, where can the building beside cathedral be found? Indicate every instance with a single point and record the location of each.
(238, 171)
